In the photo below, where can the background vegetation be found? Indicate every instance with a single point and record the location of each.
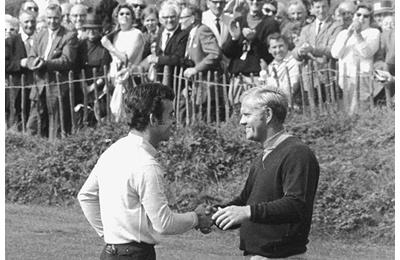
(355, 197)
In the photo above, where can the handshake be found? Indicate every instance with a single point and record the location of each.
(204, 214)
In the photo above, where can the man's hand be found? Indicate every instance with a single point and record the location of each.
(305, 49)
(189, 72)
(205, 222)
(37, 63)
(234, 30)
(152, 58)
(23, 62)
(248, 33)
(227, 217)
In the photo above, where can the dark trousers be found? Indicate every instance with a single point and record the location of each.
(131, 251)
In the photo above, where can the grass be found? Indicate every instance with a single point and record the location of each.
(43, 232)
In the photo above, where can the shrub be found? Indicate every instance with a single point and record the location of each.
(355, 197)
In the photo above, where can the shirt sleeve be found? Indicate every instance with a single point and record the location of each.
(88, 198)
(151, 191)
(369, 45)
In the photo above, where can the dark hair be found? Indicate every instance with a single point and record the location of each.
(196, 12)
(104, 9)
(272, 2)
(54, 7)
(118, 8)
(143, 100)
(276, 37)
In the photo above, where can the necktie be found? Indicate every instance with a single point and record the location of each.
(218, 25)
(166, 41)
(48, 48)
(28, 45)
(319, 27)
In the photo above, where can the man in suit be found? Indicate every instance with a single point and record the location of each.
(316, 40)
(53, 50)
(16, 64)
(172, 43)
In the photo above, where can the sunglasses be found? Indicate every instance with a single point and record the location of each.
(364, 15)
(267, 10)
(122, 13)
(32, 8)
(136, 6)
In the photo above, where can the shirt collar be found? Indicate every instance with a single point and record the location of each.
(274, 140)
(171, 32)
(54, 33)
(143, 142)
(24, 36)
(285, 59)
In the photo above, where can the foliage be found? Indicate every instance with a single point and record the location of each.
(355, 197)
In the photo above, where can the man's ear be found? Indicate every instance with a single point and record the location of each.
(268, 115)
(153, 120)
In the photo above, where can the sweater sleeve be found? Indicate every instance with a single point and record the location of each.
(300, 173)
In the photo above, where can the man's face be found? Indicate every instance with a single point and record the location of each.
(296, 13)
(138, 6)
(255, 6)
(321, 9)
(216, 6)
(170, 19)
(78, 16)
(53, 18)
(278, 49)
(186, 19)
(31, 6)
(165, 126)
(346, 11)
(254, 121)
(27, 23)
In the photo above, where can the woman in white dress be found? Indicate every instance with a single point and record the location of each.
(353, 46)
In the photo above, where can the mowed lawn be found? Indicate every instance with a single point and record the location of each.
(38, 232)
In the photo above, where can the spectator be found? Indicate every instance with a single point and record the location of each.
(152, 30)
(356, 45)
(182, 4)
(16, 66)
(345, 11)
(281, 15)
(388, 23)
(382, 9)
(270, 8)
(66, 10)
(52, 50)
(30, 5)
(138, 6)
(78, 18)
(11, 26)
(217, 20)
(187, 19)
(297, 12)
(283, 71)
(315, 43)
(247, 45)
(202, 52)
(171, 45)
(92, 55)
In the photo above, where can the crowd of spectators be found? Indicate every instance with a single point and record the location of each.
(251, 40)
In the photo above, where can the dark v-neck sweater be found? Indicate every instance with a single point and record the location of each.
(280, 191)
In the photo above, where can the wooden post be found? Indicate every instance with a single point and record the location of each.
(290, 87)
(23, 116)
(72, 100)
(371, 89)
(96, 94)
(11, 96)
(194, 97)
(345, 88)
(318, 85)
(226, 100)
(85, 98)
(331, 83)
(47, 87)
(174, 85)
(166, 75)
(358, 82)
(37, 104)
(311, 91)
(303, 97)
(276, 76)
(387, 95)
(187, 101)
(208, 97)
(201, 84)
(108, 97)
(60, 105)
(216, 90)
(178, 98)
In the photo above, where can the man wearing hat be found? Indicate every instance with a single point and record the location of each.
(92, 55)
(382, 9)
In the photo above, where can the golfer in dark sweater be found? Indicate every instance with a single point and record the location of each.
(274, 210)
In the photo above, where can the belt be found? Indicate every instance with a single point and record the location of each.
(127, 249)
